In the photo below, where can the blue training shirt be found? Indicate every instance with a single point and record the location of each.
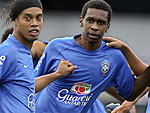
(16, 77)
(148, 106)
(96, 71)
(97, 106)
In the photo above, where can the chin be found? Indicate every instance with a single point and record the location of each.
(34, 37)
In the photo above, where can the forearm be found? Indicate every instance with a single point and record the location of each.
(136, 64)
(140, 84)
(64, 68)
(112, 91)
(141, 95)
(43, 81)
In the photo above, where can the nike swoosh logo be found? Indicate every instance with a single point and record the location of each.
(25, 66)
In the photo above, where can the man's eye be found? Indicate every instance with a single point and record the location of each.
(90, 21)
(39, 17)
(101, 23)
(27, 18)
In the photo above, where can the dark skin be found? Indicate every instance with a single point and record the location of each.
(94, 25)
(28, 25)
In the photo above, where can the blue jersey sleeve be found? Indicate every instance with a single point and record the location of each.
(49, 56)
(124, 77)
(7, 59)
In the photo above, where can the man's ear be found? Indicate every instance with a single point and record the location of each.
(107, 27)
(15, 22)
(81, 22)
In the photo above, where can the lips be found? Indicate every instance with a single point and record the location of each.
(93, 35)
(34, 32)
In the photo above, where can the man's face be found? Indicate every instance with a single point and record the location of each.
(95, 24)
(29, 23)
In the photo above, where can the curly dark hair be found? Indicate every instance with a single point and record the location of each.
(97, 4)
(7, 12)
(14, 8)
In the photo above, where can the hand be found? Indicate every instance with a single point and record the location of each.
(110, 107)
(65, 68)
(133, 109)
(126, 107)
(115, 43)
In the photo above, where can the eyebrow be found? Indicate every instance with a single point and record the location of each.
(28, 14)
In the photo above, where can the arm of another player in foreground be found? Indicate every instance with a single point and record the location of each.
(136, 64)
(126, 106)
(140, 84)
(110, 107)
(64, 68)
(123, 109)
(37, 49)
(112, 91)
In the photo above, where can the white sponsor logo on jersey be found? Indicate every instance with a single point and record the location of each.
(40, 61)
(79, 99)
(81, 88)
(31, 101)
(2, 59)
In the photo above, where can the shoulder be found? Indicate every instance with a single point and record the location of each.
(115, 54)
(8, 51)
(60, 43)
(61, 40)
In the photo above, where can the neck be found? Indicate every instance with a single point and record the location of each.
(85, 44)
(25, 42)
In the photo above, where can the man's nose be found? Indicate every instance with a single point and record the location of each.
(94, 26)
(34, 23)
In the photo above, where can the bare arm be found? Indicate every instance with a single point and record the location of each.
(126, 106)
(140, 84)
(136, 64)
(37, 49)
(129, 105)
(112, 91)
(64, 68)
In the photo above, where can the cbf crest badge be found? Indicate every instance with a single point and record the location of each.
(105, 67)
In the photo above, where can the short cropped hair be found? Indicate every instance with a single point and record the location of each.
(97, 4)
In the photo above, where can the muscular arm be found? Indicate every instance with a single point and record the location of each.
(37, 49)
(113, 92)
(140, 84)
(140, 96)
(64, 68)
(136, 64)
(126, 106)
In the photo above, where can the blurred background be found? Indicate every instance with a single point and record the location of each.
(130, 23)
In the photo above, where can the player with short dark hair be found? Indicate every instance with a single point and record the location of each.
(99, 67)
(17, 80)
